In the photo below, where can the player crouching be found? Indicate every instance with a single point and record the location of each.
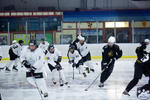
(33, 59)
(54, 58)
(76, 59)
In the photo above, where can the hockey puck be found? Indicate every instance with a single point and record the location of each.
(68, 86)
(86, 90)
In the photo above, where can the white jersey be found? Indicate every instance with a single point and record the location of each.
(44, 47)
(35, 58)
(52, 57)
(83, 49)
(16, 48)
(75, 56)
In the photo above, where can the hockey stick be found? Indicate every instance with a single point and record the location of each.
(97, 76)
(37, 87)
(0, 96)
(2, 68)
(95, 80)
(60, 79)
(73, 73)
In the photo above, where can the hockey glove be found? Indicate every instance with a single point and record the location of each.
(70, 61)
(58, 67)
(26, 64)
(145, 58)
(18, 56)
(32, 70)
(59, 59)
(74, 65)
(0, 58)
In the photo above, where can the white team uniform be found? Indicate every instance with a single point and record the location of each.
(52, 58)
(36, 59)
(76, 58)
(16, 49)
(84, 51)
(44, 47)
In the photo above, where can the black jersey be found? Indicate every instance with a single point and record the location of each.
(111, 53)
(140, 51)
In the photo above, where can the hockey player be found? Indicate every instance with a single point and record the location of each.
(76, 59)
(110, 53)
(14, 54)
(54, 59)
(142, 56)
(43, 45)
(143, 93)
(76, 40)
(85, 53)
(33, 59)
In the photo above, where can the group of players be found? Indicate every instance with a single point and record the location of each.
(33, 59)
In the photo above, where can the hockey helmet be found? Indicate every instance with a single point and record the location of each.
(81, 38)
(32, 42)
(14, 41)
(147, 41)
(20, 41)
(72, 47)
(50, 46)
(111, 39)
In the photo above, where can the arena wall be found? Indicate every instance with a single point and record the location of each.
(96, 50)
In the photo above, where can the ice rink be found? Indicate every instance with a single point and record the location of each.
(13, 85)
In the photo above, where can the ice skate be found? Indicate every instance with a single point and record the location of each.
(84, 74)
(7, 69)
(87, 70)
(15, 68)
(101, 85)
(126, 93)
(92, 70)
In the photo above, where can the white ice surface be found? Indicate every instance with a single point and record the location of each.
(13, 85)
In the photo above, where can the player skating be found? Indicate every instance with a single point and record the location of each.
(85, 53)
(33, 59)
(143, 93)
(138, 71)
(111, 52)
(14, 54)
(54, 58)
(43, 45)
(75, 59)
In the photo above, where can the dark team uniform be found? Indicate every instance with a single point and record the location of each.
(12, 55)
(109, 55)
(138, 67)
